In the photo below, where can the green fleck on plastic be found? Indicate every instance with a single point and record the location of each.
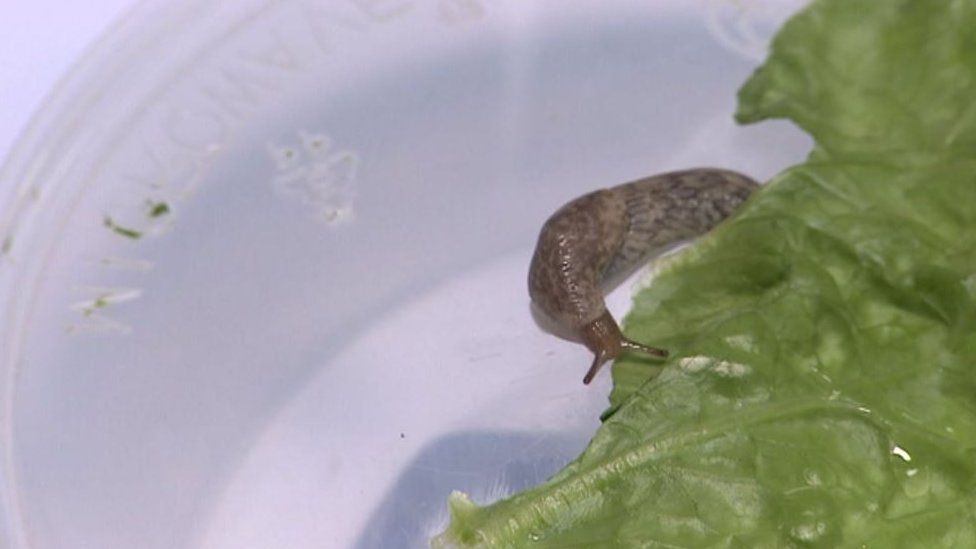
(158, 209)
(120, 230)
(98, 304)
(822, 386)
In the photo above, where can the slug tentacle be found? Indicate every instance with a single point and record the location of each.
(609, 232)
(603, 337)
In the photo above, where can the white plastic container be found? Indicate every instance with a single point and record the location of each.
(262, 263)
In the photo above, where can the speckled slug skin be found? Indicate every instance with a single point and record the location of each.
(608, 232)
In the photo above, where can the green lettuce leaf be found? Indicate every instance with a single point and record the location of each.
(822, 386)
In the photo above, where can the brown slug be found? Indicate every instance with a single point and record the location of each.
(606, 233)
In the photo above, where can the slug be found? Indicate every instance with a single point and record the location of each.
(602, 235)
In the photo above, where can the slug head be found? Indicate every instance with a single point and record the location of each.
(603, 337)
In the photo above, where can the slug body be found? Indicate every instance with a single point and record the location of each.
(603, 234)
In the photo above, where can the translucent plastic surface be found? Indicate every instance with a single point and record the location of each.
(263, 263)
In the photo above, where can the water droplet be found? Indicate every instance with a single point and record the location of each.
(810, 515)
(808, 532)
(725, 368)
(917, 484)
(812, 477)
(742, 342)
(695, 363)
